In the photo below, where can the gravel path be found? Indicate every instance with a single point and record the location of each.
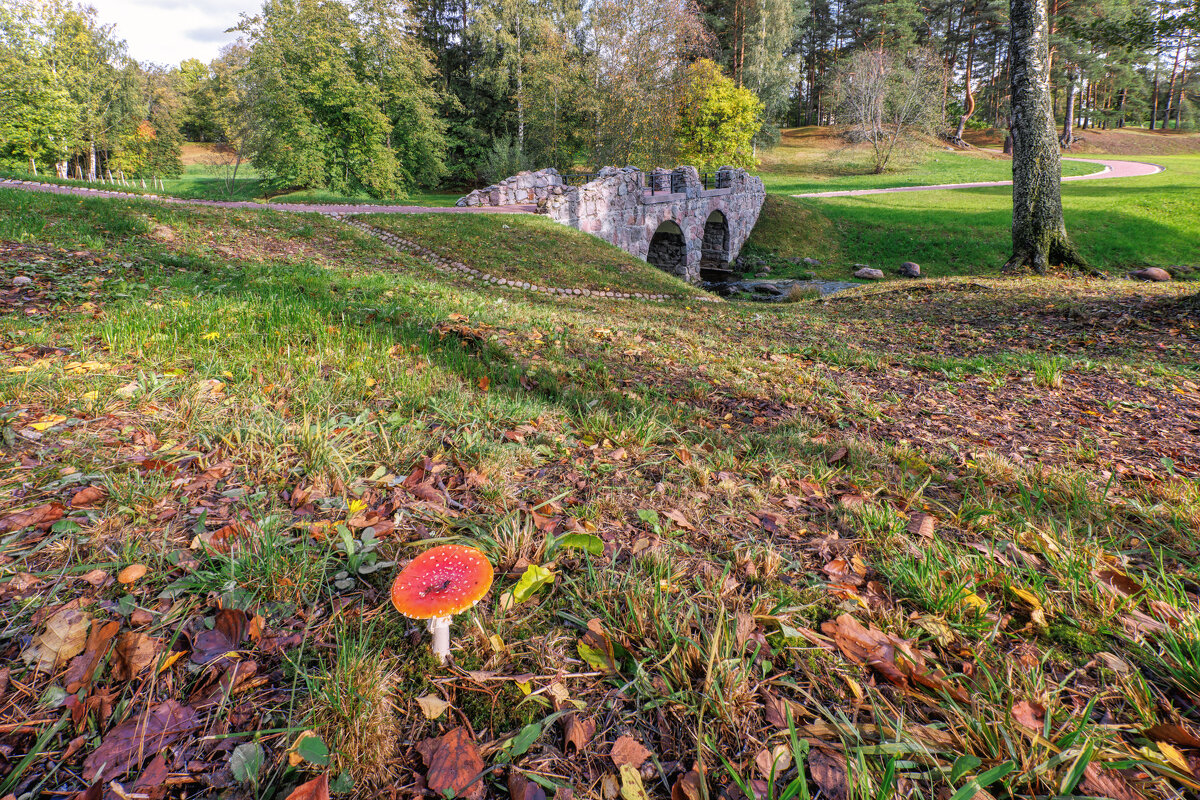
(1112, 169)
(317, 208)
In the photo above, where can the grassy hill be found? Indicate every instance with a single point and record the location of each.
(1118, 224)
(945, 532)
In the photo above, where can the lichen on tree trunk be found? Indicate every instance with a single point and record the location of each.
(1038, 232)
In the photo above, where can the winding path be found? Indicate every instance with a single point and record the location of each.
(1113, 168)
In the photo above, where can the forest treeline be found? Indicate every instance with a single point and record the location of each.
(382, 97)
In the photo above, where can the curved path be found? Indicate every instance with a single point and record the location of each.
(315, 208)
(1112, 169)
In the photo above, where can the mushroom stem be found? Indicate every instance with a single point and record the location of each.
(440, 628)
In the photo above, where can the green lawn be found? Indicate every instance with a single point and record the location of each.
(1118, 224)
(811, 160)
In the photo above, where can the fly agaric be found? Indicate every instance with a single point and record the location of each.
(440, 583)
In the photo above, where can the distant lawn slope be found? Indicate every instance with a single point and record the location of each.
(1118, 224)
(815, 160)
(1119, 142)
(531, 248)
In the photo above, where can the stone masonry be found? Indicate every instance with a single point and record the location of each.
(619, 207)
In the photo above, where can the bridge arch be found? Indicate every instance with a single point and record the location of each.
(714, 247)
(668, 248)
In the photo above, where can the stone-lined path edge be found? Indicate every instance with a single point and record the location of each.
(449, 266)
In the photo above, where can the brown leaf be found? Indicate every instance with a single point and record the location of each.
(82, 667)
(228, 631)
(676, 516)
(771, 522)
(454, 763)
(687, 786)
(627, 750)
(88, 496)
(1173, 734)
(1030, 715)
(521, 788)
(132, 573)
(828, 770)
(134, 652)
(134, 740)
(316, 789)
(577, 733)
(921, 525)
(223, 539)
(1108, 783)
(42, 516)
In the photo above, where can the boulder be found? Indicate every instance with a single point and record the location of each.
(22, 280)
(1154, 274)
(910, 269)
(869, 274)
(812, 262)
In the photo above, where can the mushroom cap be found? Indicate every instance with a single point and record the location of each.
(441, 582)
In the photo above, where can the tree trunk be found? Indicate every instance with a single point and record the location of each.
(1187, 55)
(1154, 96)
(1038, 232)
(969, 105)
(1171, 88)
(91, 163)
(1121, 108)
(1068, 133)
(520, 88)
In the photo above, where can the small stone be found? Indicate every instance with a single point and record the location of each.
(869, 274)
(910, 269)
(1153, 274)
(762, 274)
(812, 262)
(22, 280)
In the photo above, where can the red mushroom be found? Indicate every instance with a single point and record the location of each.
(440, 583)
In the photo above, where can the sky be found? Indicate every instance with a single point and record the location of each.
(168, 31)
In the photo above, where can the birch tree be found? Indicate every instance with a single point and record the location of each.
(1038, 232)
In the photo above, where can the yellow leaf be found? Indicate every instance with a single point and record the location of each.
(432, 706)
(975, 601)
(48, 422)
(631, 784)
(1028, 596)
(1176, 758)
(169, 660)
(17, 369)
(211, 336)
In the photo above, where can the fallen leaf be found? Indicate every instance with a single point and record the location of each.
(43, 515)
(1107, 783)
(484, 383)
(921, 525)
(432, 706)
(1175, 734)
(521, 788)
(773, 762)
(597, 649)
(132, 573)
(83, 666)
(1030, 715)
(627, 750)
(687, 786)
(135, 651)
(316, 789)
(631, 784)
(88, 496)
(229, 630)
(134, 740)
(64, 638)
(453, 764)
(577, 733)
(676, 516)
(828, 771)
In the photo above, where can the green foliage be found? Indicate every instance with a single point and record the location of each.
(504, 159)
(718, 121)
(339, 103)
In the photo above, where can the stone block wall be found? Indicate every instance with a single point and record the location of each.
(618, 207)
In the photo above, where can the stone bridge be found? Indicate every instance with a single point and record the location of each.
(667, 217)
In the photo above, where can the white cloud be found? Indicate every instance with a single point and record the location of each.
(168, 31)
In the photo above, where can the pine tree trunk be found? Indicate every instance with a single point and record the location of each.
(1171, 89)
(1154, 95)
(1038, 231)
(969, 104)
(1068, 133)
(1121, 119)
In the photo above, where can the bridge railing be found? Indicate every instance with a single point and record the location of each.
(656, 182)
